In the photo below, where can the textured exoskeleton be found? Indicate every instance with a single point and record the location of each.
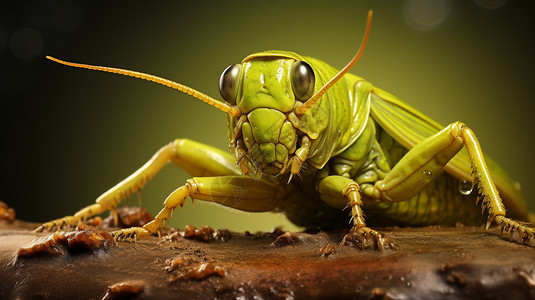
(351, 144)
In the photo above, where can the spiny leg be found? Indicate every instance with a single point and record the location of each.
(196, 158)
(111, 198)
(426, 160)
(174, 200)
(341, 192)
(360, 232)
(488, 193)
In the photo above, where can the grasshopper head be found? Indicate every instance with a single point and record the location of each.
(269, 93)
(265, 88)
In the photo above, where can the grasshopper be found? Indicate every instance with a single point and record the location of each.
(311, 141)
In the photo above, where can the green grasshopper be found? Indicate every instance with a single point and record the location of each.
(352, 146)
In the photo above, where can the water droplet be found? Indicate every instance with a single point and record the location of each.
(465, 187)
(428, 173)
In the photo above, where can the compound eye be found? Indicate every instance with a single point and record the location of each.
(302, 80)
(228, 83)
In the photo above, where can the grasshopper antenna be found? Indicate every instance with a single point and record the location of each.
(301, 110)
(232, 110)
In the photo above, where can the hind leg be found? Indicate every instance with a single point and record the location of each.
(425, 162)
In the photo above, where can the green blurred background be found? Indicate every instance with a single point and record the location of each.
(68, 134)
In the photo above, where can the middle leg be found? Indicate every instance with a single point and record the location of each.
(342, 192)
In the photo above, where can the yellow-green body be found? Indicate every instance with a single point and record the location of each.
(356, 147)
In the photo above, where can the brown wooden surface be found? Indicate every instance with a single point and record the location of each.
(432, 263)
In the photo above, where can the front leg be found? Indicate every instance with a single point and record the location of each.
(341, 192)
(195, 158)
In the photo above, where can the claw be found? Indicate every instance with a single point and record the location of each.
(69, 221)
(290, 178)
(489, 221)
(366, 238)
(129, 233)
(517, 232)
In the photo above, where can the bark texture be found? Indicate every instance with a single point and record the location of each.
(430, 263)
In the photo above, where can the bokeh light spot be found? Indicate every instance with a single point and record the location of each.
(427, 14)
